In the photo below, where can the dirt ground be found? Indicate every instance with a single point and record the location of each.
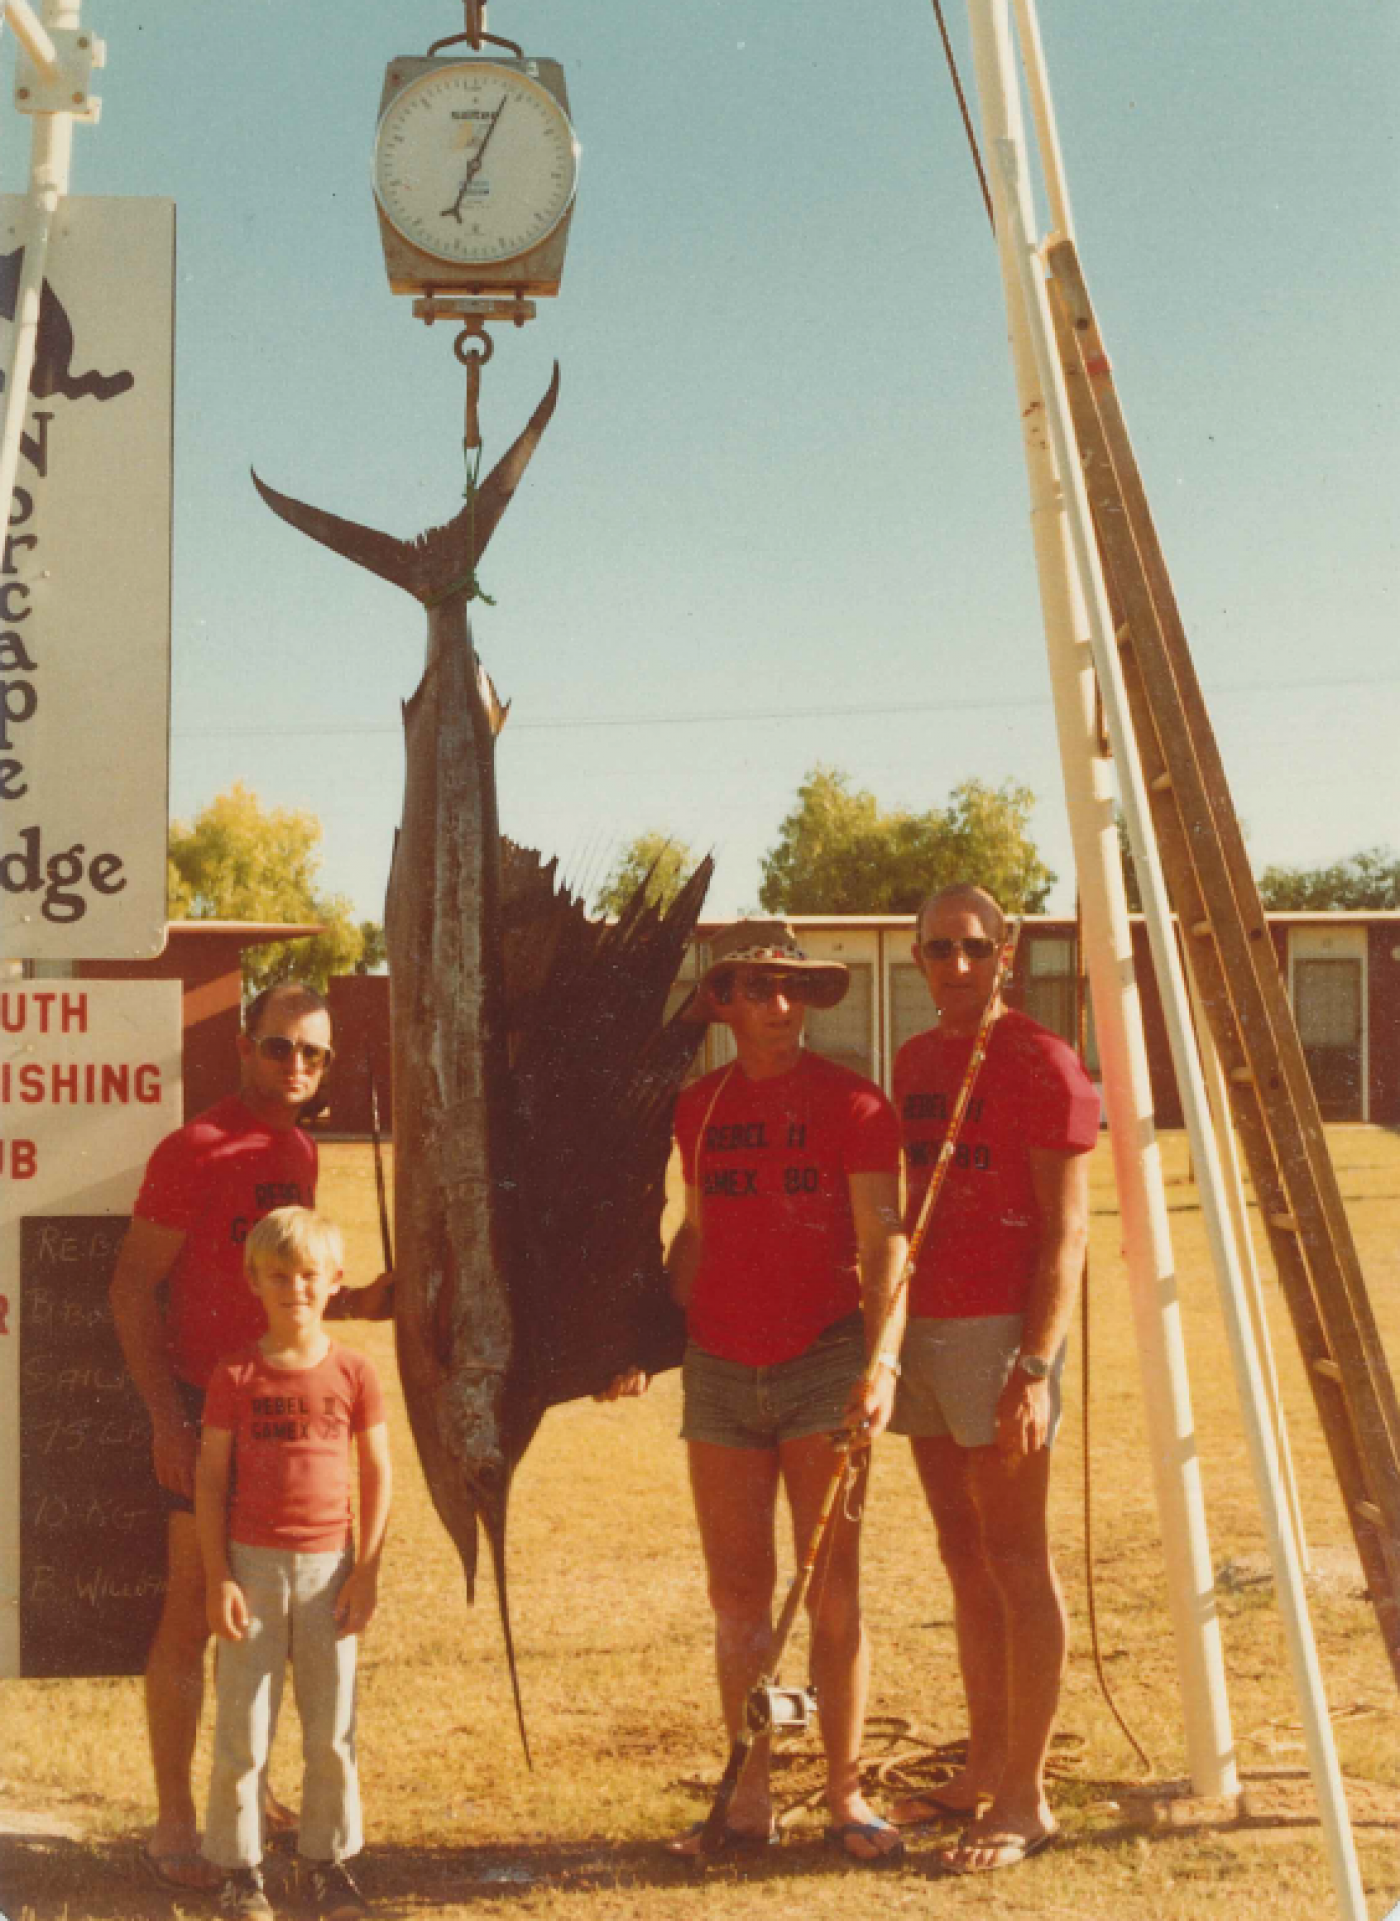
(613, 1637)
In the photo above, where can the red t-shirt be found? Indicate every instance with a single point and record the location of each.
(979, 1255)
(291, 1432)
(214, 1179)
(778, 1243)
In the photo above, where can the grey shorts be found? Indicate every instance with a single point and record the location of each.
(953, 1374)
(731, 1405)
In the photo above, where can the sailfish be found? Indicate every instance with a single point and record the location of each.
(534, 1072)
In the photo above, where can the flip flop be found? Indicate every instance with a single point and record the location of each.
(1016, 1847)
(940, 1812)
(840, 1835)
(733, 1841)
(165, 1871)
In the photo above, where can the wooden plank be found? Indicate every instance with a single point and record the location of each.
(1353, 1417)
(1300, 1143)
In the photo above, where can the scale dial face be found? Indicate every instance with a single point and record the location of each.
(475, 163)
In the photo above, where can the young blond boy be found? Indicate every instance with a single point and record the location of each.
(284, 1577)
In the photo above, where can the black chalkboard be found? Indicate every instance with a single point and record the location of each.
(92, 1527)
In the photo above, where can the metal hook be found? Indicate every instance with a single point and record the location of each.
(476, 33)
(473, 348)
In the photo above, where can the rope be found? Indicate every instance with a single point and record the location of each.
(471, 458)
(966, 116)
(1082, 1044)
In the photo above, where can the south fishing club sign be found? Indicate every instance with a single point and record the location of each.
(85, 590)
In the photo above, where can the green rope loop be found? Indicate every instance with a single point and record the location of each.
(473, 586)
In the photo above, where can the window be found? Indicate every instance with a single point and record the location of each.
(844, 1033)
(911, 1009)
(1050, 984)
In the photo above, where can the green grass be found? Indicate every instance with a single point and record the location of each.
(614, 1643)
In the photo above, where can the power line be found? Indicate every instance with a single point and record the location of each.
(766, 716)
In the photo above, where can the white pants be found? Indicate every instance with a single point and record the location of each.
(291, 1606)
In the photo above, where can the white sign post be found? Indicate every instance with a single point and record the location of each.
(85, 589)
(89, 1084)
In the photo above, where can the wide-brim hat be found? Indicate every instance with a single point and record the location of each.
(772, 943)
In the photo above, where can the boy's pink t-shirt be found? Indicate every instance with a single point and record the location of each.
(291, 1445)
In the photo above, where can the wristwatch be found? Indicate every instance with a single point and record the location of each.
(1035, 1366)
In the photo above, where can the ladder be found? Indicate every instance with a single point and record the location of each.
(1230, 954)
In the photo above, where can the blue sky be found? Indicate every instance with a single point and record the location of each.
(780, 516)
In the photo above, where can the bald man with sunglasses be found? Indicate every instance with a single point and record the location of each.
(990, 1304)
(785, 1265)
(181, 1304)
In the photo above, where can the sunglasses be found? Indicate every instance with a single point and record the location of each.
(766, 987)
(976, 948)
(276, 1047)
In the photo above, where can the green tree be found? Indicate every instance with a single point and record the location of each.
(838, 852)
(238, 861)
(663, 863)
(1370, 878)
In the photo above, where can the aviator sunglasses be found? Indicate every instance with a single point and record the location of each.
(976, 947)
(276, 1047)
(767, 987)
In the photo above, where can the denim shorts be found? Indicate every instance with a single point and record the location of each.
(730, 1405)
(953, 1374)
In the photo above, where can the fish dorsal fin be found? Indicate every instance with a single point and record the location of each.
(596, 1068)
(538, 913)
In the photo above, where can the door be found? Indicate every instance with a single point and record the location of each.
(1329, 1005)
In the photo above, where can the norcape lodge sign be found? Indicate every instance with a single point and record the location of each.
(85, 590)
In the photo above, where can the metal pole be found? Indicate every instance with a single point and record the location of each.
(1239, 1216)
(1117, 1008)
(1322, 1755)
(29, 31)
(50, 160)
(1047, 134)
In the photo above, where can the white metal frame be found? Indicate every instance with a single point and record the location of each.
(1078, 629)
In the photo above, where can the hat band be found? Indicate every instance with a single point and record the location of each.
(770, 955)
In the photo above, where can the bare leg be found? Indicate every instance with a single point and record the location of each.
(840, 1647)
(174, 1698)
(979, 1621)
(1011, 1498)
(736, 1491)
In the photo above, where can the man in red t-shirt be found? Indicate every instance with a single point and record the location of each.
(180, 1304)
(989, 1310)
(785, 1264)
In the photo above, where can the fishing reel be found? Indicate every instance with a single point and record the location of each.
(779, 1710)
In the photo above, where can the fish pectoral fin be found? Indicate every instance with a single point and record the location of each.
(496, 709)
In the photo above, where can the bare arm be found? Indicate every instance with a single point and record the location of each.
(356, 1602)
(225, 1606)
(1061, 1183)
(372, 1303)
(683, 1255)
(147, 1256)
(882, 1252)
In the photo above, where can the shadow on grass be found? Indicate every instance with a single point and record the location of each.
(103, 1879)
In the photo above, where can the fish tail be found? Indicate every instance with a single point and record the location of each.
(496, 1535)
(440, 564)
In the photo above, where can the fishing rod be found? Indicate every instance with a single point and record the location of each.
(379, 1189)
(768, 1706)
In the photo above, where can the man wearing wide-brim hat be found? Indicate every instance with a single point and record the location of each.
(785, 1264)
